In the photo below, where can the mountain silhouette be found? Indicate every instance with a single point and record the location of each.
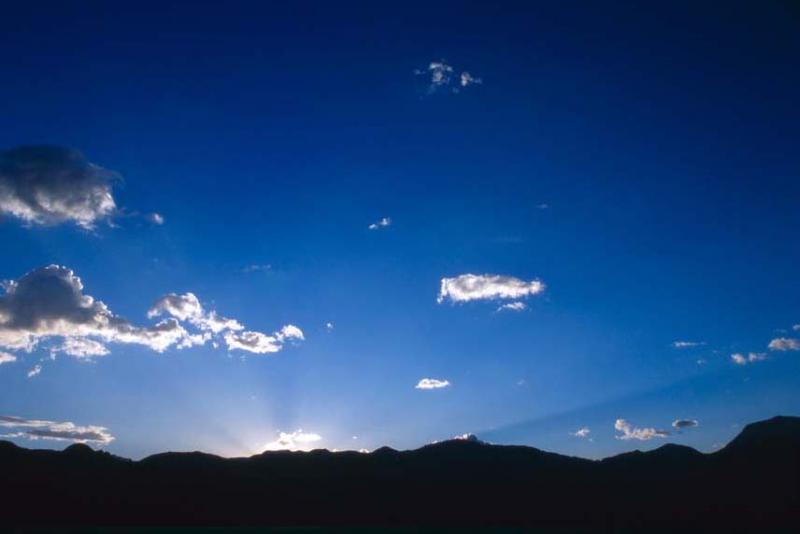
(751, 484)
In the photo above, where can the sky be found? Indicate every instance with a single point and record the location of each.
(345, 225)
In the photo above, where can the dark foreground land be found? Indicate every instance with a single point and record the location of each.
(752, 484)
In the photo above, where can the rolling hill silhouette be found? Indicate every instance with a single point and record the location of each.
(751, 484)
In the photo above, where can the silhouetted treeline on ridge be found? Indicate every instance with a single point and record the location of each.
(753, 483)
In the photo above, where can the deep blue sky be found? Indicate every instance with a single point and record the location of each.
(663, 141)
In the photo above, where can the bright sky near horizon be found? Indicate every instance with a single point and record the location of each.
(256, 225)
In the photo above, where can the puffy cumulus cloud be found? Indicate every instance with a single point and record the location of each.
(467, 287)
(36, 429)
(187, 307)
(685, 423)
(260, 343)
(642, 434)
(443, 76)
(432, 383)
(513, 306)
(7, 358)
(784, 344)
(49, 303)
(293, 441)
(744, 359)
(182, 307)
(383, 223)
(581, 432)
(687, 344)
(47, 185)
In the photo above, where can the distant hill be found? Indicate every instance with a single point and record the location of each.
(751, 484)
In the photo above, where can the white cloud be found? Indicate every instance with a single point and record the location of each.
(513, 306)
(329, 326)
(383, 223)
(259, 343)
(685, 423)
(581, 432)
(467, 79)
(35, 370)
(47, 185)
(467, 287)
(82, 348)
(155, 218)
(49, 303)
(687, 344)
(293, 441)
(642, 434)
(187, 307)
(744, 359)
(432, 383)
(443, 76)
(796, 328)
(7, 358)
(35, 429)
(784, 344)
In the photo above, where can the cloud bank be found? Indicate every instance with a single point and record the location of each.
(467, 287)
(36, 429)
(49, 303)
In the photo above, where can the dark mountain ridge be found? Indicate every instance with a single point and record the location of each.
(752, 483)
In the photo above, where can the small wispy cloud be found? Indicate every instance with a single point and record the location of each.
(329, 326)
(743, 359)
(35, 371)
(155, 218)
(642, 434)
(784, 344)
(685, 423)
(796, 328)
(293, 441)
(687, 344)
(7, 358)
(34, 429)
(257, 268)
(383, 223)
(581, 432)
(432, 383)
(513, 306)
(444, 76)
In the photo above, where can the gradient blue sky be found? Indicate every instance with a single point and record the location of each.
(642, 162)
